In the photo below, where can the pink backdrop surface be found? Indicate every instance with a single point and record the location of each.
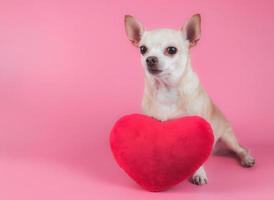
(67, 72)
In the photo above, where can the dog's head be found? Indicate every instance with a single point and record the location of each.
(164, 52)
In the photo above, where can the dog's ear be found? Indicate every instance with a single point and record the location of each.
(192, 30)
(134, 30)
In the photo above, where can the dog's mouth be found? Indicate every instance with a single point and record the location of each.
(154, 71)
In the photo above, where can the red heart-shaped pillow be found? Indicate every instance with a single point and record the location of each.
(159, 154)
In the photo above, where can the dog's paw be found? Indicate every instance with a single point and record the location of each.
(248, 161)
(199, 179)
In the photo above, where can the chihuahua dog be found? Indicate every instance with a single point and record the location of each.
(172, 88)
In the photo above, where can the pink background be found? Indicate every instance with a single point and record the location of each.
(67, 72)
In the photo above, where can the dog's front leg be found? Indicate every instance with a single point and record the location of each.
(199, 177)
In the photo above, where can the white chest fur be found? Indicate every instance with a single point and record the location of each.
(171, 102)
(164, 103)
(166, 96)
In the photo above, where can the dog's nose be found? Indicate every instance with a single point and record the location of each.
(152, 65)
(152, 61)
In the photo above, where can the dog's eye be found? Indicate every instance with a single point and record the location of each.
(143, 49)
(171, 50)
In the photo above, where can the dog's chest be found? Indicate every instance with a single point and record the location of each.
(167, 104)
(166, 97)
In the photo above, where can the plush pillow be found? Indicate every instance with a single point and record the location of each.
(160, 154)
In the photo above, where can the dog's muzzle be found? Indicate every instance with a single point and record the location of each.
(152, 65)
